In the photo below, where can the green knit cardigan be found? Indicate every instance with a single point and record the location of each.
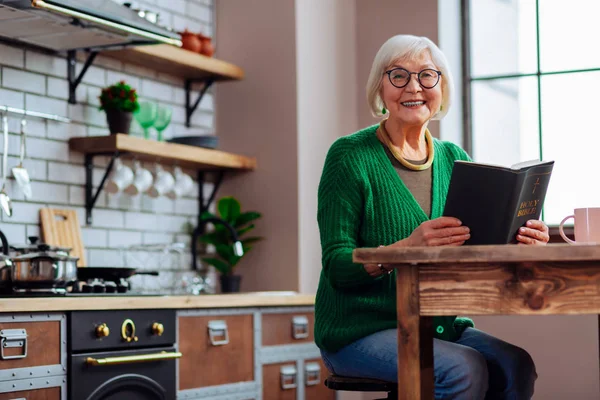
(362, 202)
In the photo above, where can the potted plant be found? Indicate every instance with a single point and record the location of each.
(224, 261)
(119, 101)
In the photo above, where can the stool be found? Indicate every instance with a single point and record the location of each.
(350, 384)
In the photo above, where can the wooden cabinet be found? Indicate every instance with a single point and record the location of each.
(33, 360)
(280, 381)
(39, 394)
(245, 351)
(29, 344)
(287, 328)
(237, 353)
(217, 350)
(315, 373)
(299, 373)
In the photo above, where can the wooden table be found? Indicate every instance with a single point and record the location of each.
(480, 280)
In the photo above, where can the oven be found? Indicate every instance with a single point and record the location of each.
(122, 355)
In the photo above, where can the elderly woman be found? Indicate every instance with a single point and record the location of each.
(386, 185)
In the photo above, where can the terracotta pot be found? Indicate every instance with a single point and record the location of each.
(191, 41)
(207, 47)
(118, 121)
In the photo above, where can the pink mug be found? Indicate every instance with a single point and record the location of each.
(587, 226)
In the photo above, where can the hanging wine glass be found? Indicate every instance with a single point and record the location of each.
(145, 116)
(163, 119)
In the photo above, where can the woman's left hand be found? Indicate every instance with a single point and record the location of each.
(534, 232)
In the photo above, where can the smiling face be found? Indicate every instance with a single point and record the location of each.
(412, 104)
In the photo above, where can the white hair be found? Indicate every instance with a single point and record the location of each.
(401, 47)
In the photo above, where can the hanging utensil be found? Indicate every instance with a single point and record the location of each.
(5, 202)
(19, 172)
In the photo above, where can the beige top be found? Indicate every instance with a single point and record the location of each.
(417, 182)
(256, 299)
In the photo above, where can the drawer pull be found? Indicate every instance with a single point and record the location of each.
(288, 377)
(312, 372)
(218, 329)
(13, 338)
(300, 327)
(133, 359)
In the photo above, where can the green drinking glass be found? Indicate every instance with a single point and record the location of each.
(146, 115)
(163, 119)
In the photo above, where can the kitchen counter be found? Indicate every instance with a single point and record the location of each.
(130, 302)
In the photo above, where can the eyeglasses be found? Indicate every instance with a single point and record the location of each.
(428, 78)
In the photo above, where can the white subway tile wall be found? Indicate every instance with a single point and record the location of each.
(12, 56)
(21, 80)
(38, 81)
(37, 169)
(11, 98)
(97, 238)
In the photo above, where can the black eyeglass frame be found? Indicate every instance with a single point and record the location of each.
(389, 74)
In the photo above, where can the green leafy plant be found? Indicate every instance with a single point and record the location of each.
(119, 96)
(229, 210)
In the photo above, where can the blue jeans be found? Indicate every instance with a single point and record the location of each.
(477, 366)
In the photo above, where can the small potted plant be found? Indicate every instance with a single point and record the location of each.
(225, 260)
(119, 101)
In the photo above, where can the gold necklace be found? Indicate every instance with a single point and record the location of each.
(384, 137)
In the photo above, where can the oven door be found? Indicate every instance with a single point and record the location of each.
(143, 374)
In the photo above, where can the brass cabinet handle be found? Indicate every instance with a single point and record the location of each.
(125, 332)
(158, 328)
(102, 331)
(134, 359)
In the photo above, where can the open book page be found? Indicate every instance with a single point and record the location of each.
(526, 164)
(514, 167)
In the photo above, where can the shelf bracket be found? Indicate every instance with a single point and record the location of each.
(203, 204)
(90, 200)
(189, 107)
(72, 71)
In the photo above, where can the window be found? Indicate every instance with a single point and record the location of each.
(533, 82)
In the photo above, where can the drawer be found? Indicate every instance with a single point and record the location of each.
(39, 394)
(315, 373)
(287, 328)
(41, 346)
(280, 381)
(216, 350)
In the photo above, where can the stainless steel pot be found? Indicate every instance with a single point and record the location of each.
(5, 271)
(34, 247)
(43, 269)
(5, 263)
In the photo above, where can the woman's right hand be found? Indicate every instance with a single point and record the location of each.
(442, 231)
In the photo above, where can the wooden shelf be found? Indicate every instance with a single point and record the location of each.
(180, 62)
(149, 150)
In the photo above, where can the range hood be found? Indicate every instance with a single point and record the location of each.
(79, 24)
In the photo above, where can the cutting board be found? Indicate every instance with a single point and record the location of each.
(61, 228)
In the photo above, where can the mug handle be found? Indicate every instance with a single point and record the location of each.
(562, 232)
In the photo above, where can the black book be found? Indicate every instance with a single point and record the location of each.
(494, 201)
